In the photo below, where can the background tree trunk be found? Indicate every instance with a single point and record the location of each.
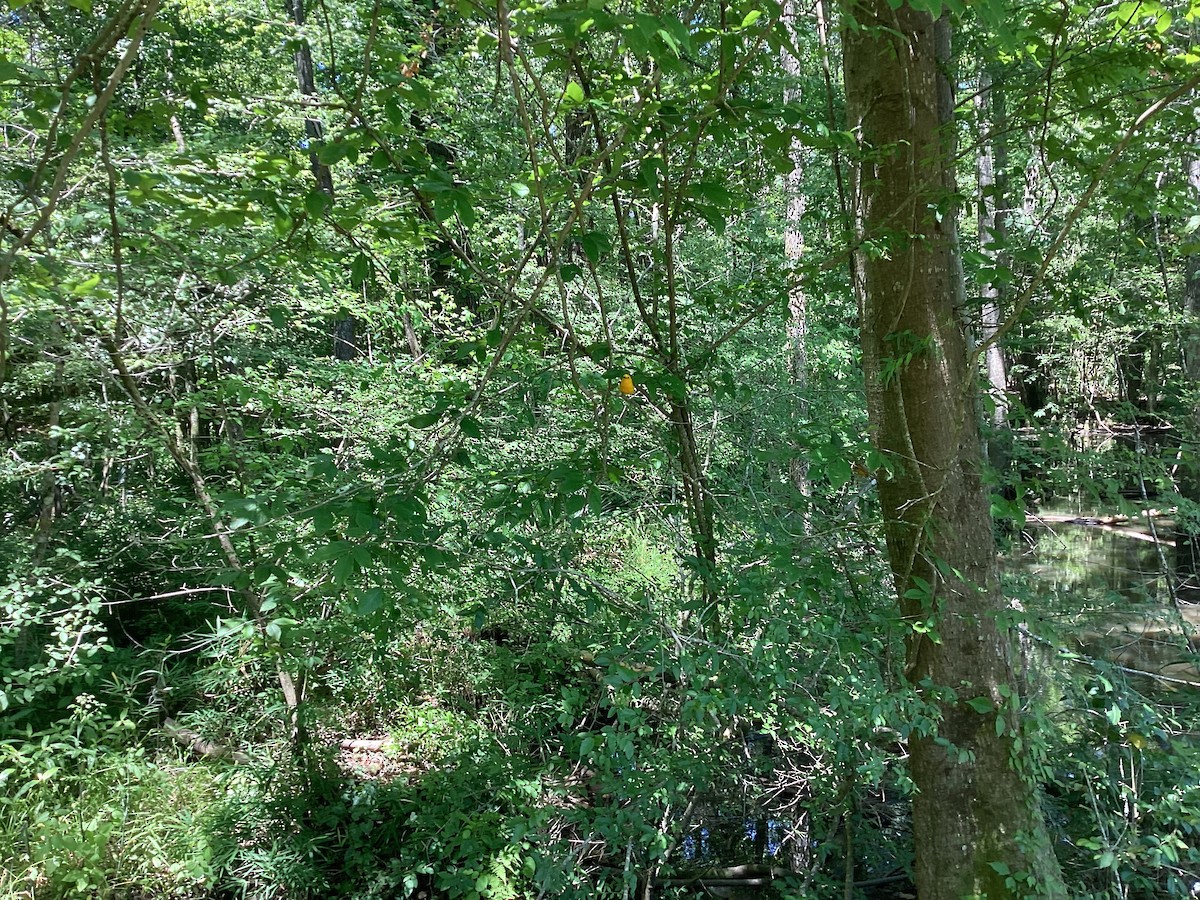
(793, 248)
(1030, 375)
(344, 338)
(975, 817)
(990, 167)
(1187, 543)
(314, 130)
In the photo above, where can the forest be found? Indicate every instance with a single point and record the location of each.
(622, 449)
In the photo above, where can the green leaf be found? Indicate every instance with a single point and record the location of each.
(316, 203)
(981, 705)
(444, 207)
(573, 93)
(85, 286)
(9, 71)
(839, 472)
(424, 420)
(751, 17)
(921, 590)
(360, 270)
(595, 245)
(470, 427)
(716, 194)
(370, 601)
(438, 181)
(464, 207)
(331, 154)
(519, 189)
(598, 351)
(343, 569)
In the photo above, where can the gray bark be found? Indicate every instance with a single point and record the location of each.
(1187, 543)
(1191, 289)
(314, 130)
(990, 167)
(793, 246)
(344, 339)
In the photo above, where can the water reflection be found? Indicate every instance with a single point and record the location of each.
(1108, 591)
(1086, 562)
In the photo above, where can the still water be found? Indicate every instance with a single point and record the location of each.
(1107, 592)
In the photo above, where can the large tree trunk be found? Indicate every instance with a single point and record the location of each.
(975, 816)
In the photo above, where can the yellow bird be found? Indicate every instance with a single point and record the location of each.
(626, 387)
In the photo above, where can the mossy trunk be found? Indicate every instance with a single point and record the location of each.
(978, 827)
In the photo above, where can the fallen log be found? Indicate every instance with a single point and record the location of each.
(754, 876)
(1121, 525)
(1136, 535)
(1080, 519)
(200, 745)
(364, 745)
(728, 876)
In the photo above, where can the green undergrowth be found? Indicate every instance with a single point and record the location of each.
(118, 824)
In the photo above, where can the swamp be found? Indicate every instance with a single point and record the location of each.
(615, 449)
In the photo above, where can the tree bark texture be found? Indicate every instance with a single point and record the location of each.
(345, 345)
(1187, 542)
(989, 171)
(976, 818)
(793, 248)
(314, 130)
